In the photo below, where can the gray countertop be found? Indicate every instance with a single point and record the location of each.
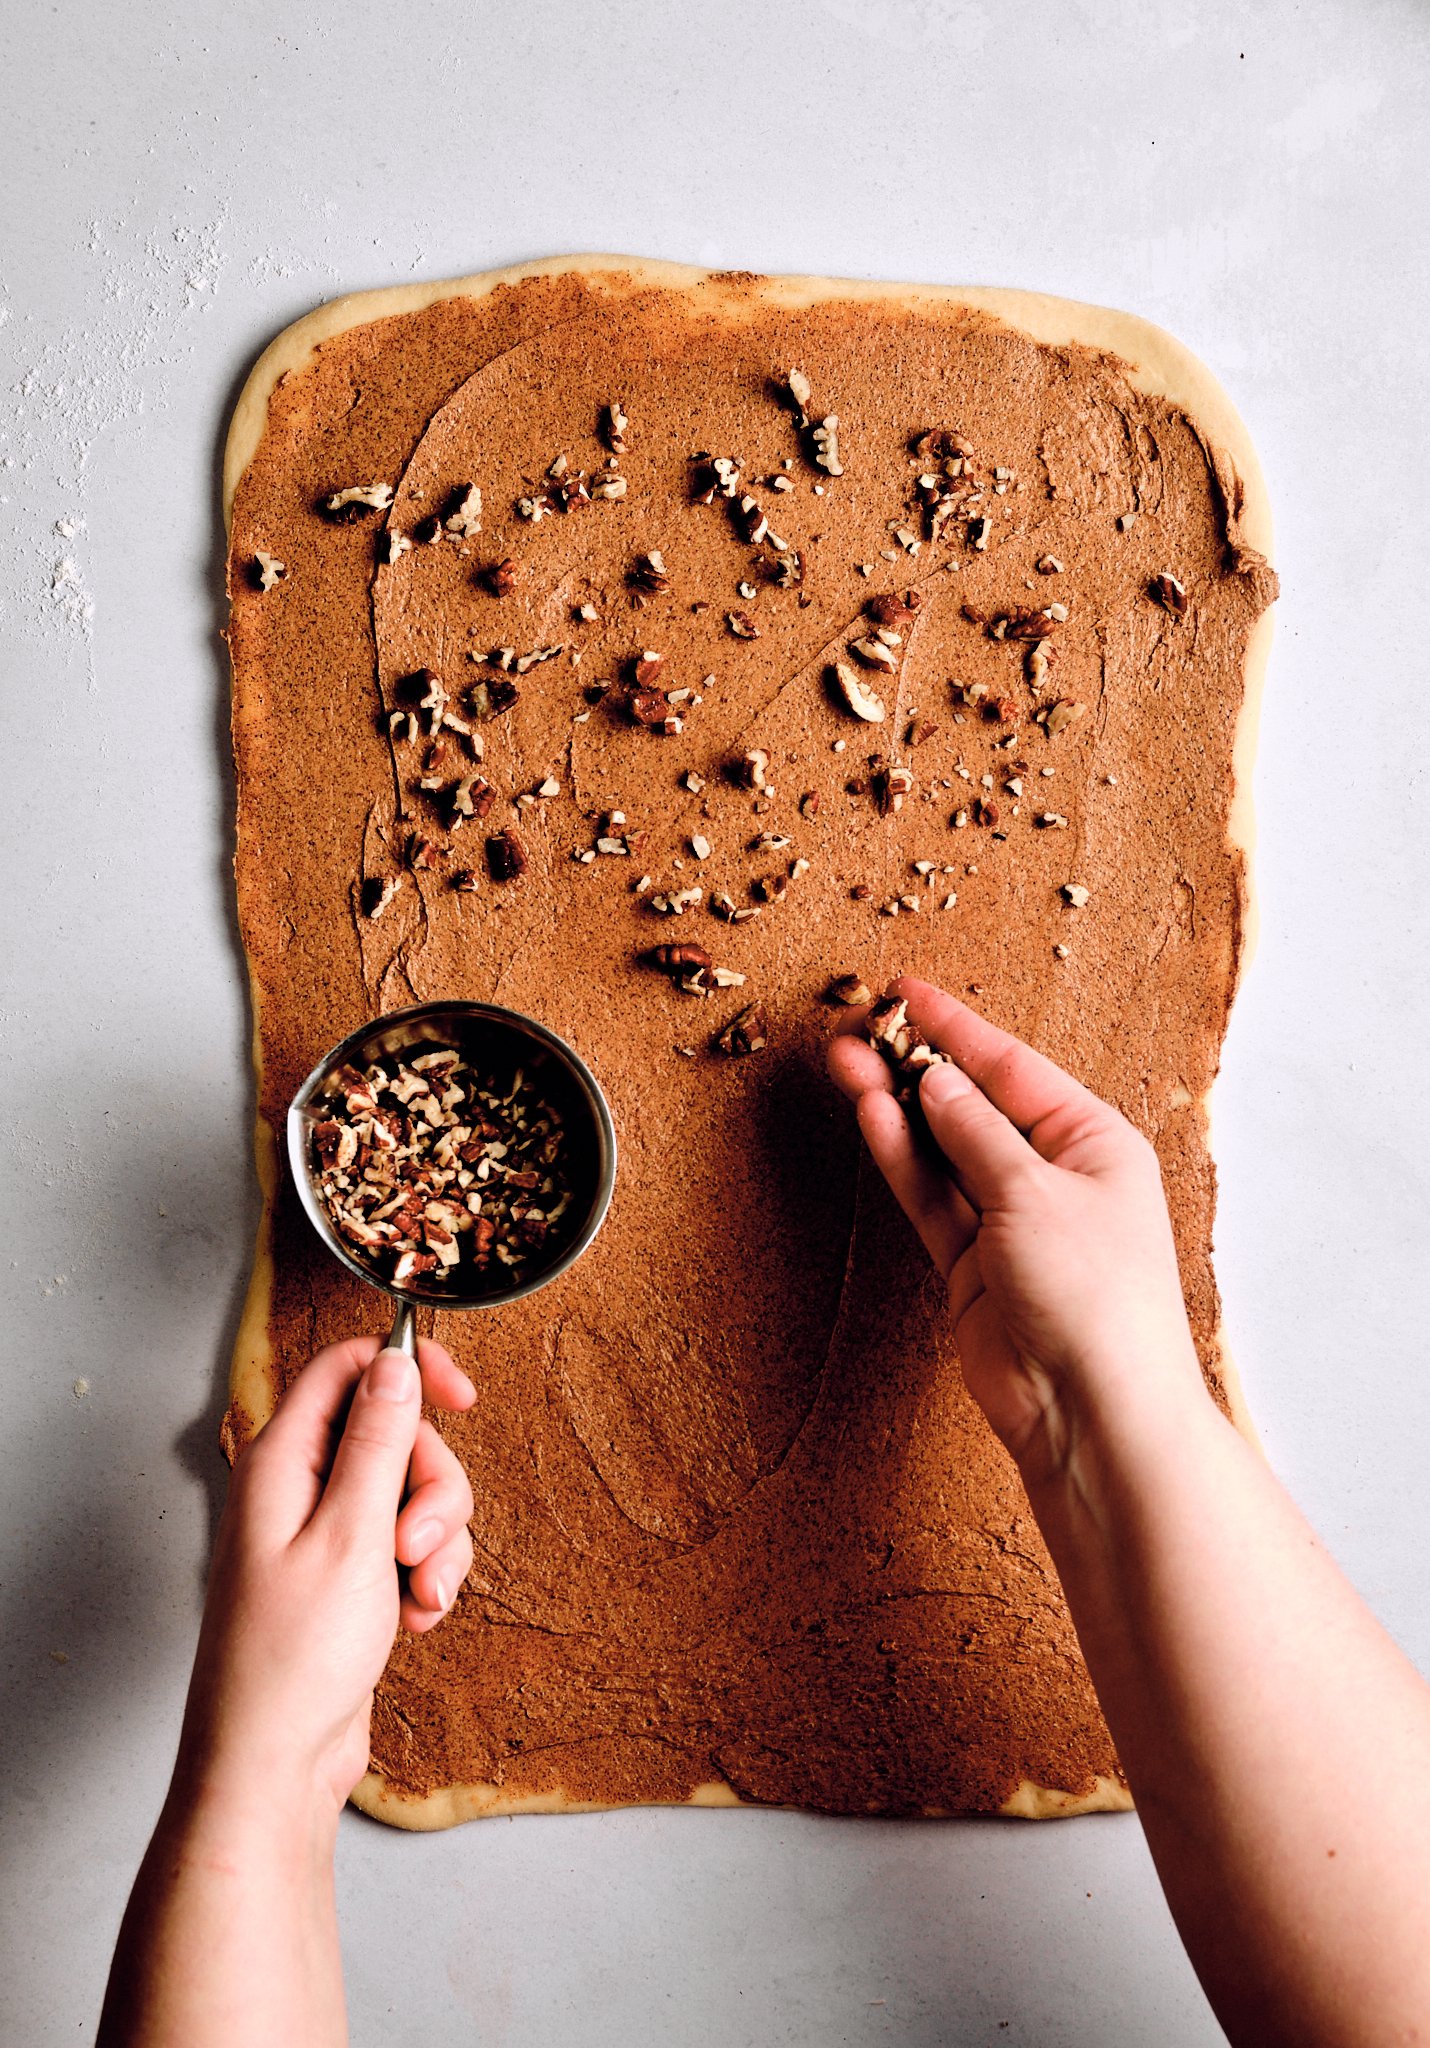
(179, 184)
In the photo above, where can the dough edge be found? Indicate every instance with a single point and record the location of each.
(1158, 365)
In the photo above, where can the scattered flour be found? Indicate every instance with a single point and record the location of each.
(64, 388)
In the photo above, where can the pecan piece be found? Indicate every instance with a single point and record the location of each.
(506, 856)
(850, 989)
(613, 426)
(677, 959)
(355, 502)
(855, 694)
(648, 572)
(889, 609)
(1169, 592)
(1033, 624)
(890, 1030)
(891, 784)
(1061, 715)
(749, 520)
(745, 1033)
(462, 514)
(651, 709)
(377, 894)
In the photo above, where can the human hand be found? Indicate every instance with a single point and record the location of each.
(1044, 1212)
(305, 1594)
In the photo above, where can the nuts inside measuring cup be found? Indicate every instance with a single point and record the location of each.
(436, 1169)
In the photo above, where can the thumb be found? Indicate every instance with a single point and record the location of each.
(365, 1487)
(990, 1156)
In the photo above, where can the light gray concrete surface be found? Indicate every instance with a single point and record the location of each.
(180, 183)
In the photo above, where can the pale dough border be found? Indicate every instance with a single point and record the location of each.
(1157, 363)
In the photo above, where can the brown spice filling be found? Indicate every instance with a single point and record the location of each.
(737, 1518)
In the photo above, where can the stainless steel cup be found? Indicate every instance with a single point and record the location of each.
(483, 1033)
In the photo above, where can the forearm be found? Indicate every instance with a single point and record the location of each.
(1273, 1735)
(230, 1935)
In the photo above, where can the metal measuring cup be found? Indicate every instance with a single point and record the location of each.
(476, 1030)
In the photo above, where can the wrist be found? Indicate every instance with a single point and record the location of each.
(258, 1805)
(1111, 1421)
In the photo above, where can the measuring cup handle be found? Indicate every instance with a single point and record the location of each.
(403, 1334)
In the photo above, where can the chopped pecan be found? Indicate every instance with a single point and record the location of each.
(1058, 717)
(750, 521)
(491, 696)
(746, 1032)
(849, 988)
(462, 515)
(1033, 624)
(648, 572)
(825, 436)
(876, 653)
(889, 609)
(651, 708)
(891, 784)
(472, 797)
(894, 1035)
(506, 856)
(751, 770)
(1169, 592)
(613, 427)
(856, 695)
(500, 577)
(677, 959)
(941, 443)
(377, 894)
(568, 491)
(355, 502)
(742, 626)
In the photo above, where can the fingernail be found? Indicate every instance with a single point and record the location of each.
(392, 1376)
(443, 1589)
(426, 1536)
(943, 1082)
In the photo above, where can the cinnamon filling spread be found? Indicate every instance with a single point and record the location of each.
(662, 665)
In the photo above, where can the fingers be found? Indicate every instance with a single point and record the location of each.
(439, 1499)
(365, 1486)
(1047, 1105)
(938, 1212)
(992, 1160)
(311, 1410)
(444, 1384)
(855, 1066)
(434, 1584)
(291, 1457)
